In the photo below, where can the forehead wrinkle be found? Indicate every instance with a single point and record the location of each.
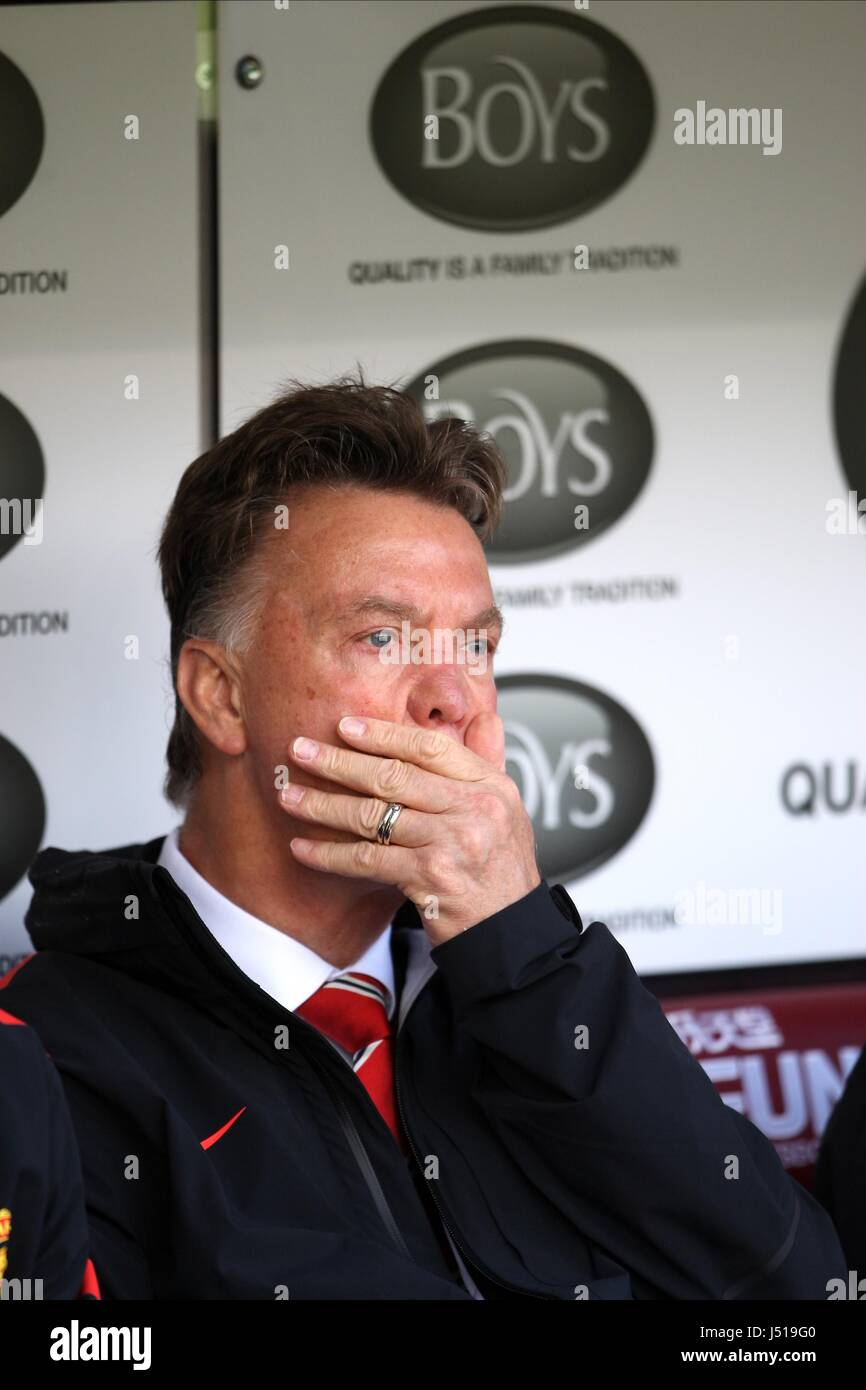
(377, 603)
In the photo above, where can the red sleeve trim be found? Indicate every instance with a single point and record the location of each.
(4, 979)
(90, 1283)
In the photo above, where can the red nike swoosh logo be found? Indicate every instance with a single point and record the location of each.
(212, 1139)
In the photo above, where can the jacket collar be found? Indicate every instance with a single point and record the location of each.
(120, 907)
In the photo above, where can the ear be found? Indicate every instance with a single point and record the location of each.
(209, 688)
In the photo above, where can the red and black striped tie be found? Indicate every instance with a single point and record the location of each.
(351, 1010)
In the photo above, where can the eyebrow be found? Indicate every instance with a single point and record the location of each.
(491, 617)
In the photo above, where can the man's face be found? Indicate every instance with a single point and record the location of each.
(354, 565)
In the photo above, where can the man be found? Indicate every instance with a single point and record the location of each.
(336, 1037)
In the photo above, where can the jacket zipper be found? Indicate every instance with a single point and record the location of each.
(469, 1256)
(359, 1152)
(362, 1158)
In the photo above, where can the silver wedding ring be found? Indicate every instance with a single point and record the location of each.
(388, 821)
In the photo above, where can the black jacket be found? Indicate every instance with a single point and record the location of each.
(562, 1171)
(44, 1243)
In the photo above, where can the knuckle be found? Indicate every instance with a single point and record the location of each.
(438, 872)
(334, 759)
(501, 813)
(490, 806)
(393, 775)
(429, 744)
(369, 815)
(474, 839)
(368, 854)
(431, 864)
(509, 791)
(311, 804)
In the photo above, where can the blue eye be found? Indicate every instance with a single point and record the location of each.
(486, 645)
(378, 633)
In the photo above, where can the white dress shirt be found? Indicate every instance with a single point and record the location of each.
(284, 968)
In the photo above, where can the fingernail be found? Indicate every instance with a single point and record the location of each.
(292, 794)
(350, 725)
(305, 747)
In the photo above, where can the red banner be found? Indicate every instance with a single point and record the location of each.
(780, 1057)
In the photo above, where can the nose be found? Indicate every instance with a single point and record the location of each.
(439, 700)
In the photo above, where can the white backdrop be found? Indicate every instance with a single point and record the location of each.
(752, 664)
(735, 652)
(118, 217)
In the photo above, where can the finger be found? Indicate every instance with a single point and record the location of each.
(426, 748)
(485, 735)
(389, 779)
(364, 859)
(361, 815)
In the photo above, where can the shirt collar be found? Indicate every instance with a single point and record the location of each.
(283, 967)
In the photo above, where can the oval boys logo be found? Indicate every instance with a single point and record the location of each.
(575, 434)
(512, 118)
(583, 765)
